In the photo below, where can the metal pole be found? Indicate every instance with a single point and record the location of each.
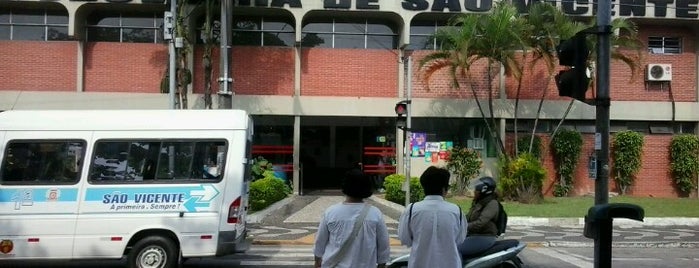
(172, 57)
(603, 243)
(408, 130)
(225, 81)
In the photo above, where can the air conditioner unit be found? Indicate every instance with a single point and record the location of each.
(659, 72)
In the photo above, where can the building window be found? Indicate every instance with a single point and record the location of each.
(42, 162)
(346, 33)
(664, 45)
(422, 34)
(125, 28)
(255, 31)
(34, 25)
(162, 161)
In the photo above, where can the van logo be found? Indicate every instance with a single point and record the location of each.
(6, 246)
(201, 197)
(188, 199)
(53, 195)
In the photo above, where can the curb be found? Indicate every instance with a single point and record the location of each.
(259, 215)
(571, 222)
(547, 244)
(387, 203)
(296, 242)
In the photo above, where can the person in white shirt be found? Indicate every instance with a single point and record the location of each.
(433, 227)
(369, 246)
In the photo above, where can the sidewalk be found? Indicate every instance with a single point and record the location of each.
(295, 219)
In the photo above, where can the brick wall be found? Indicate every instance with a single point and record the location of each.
(683, 69)
(255, 70)
(32, 65)
(124, 67)
(654, 178)
(349, 72)
(624, 87)
(440, 83)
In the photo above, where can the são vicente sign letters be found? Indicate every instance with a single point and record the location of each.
(680, 9)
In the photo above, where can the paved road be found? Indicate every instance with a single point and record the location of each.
(539, 257)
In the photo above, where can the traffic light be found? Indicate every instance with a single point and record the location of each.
(402, 113)
(574, 81)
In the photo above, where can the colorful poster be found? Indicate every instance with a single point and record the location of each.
(443, 155)
(417, 144)
(450, 145)
(432, 147)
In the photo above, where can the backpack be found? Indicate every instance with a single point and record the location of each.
(501, 221)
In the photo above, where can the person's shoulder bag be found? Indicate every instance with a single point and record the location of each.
(357, 226)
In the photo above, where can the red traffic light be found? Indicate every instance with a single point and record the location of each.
(401, 108)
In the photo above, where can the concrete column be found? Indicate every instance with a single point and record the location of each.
(297, 157)
(80, 66)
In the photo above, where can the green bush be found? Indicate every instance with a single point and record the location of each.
(523, 145)
(466, 164)
(684, 155)
(259, 167)
(627, 148)
(267, 191)
(522, 179)
(567, 147)
(393, 185)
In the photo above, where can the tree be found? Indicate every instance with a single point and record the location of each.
(627, 149)
(471, 37)
(183, 74)
(547, 25)
(626, 47)
(210, 35)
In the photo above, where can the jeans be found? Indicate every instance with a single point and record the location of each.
(474, 245)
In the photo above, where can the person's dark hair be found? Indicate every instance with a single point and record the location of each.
(357, 184)
(434, 180)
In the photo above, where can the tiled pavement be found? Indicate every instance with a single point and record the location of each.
(295, 220)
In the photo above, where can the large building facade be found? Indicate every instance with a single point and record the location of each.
(322, 78)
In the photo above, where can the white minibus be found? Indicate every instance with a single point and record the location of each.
(154, 186)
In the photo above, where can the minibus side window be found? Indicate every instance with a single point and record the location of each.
(155, 161)
(42, 162)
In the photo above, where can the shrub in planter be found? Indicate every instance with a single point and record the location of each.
(522, 179)
(684, 154)
(393, 185)
(567, 147)
(627, 147)
(465, 164)
(267, 191)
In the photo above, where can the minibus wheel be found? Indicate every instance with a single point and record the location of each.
(154, 252)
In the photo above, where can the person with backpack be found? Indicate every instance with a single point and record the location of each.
(433, 228)
(486, 218)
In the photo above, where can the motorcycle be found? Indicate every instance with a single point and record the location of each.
(502, 254)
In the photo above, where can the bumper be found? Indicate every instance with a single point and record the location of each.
(230, 243)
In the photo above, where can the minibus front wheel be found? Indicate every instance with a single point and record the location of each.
(154, 252)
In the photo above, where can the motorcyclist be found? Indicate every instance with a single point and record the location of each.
(482, 217)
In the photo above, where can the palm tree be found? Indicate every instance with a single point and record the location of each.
(626, 47)
(469, 38)
(183, 74)
(548, 25)
(210, 39)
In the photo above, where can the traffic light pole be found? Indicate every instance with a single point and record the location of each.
(603, 248)
(225, 93)
(408, 125)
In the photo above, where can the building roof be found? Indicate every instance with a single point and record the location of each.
(86, 120)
